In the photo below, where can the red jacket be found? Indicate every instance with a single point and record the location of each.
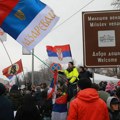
(88, 106)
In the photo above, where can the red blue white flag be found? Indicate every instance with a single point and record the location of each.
(60, 108)
(59, 54)
(27, 21)
(53, 87)
(13, 70)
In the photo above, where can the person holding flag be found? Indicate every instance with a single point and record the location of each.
(71, 74)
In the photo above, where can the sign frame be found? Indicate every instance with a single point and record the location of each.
(101, 39)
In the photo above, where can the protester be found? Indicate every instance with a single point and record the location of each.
(84, 73)
(59, 111)
(37, 94)
(102, 85)
(6, 111)
(87, 105)
(110, 88)
(71, 74)
(29, 110)
(104, 95)
(16, 97)
(46, 106)
(113, 106)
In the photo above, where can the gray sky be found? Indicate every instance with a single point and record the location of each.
(68, 33)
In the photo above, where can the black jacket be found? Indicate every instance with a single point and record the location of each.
(6, 112)
(114, 115)
(85, 74)
(27, 115)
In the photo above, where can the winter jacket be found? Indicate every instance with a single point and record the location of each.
(6, 112)
(72, 75)
(16, 99)
(103, 95)
(114, 115)
(27, 115)
(85, 74)
(88, 106)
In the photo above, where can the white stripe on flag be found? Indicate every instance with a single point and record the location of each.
(63, 61)
(38, 28)
(61, 116)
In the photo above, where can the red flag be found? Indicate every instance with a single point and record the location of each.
(14, 69)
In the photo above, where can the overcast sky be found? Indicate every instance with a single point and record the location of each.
(68, 33)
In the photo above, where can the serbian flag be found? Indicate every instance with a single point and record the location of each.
(59, 54)
(60, 108)
(27, 21)
(53, 87)
(14, 69)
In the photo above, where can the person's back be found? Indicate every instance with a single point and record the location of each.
(6, 112)
(87, 105)
(15, 97)
(28, 111)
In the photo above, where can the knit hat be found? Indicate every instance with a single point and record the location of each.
(84, 83)
(114, 101)
(2, 89)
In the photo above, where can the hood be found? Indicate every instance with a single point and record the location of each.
(103, 95)
(109, 101)
(88, 95)
(2, 89)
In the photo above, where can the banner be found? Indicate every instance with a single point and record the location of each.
(27, 21)
(14, 69)
(59, 54)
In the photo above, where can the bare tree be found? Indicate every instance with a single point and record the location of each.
(116, 4)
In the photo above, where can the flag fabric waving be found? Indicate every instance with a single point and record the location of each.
(27, 21)
(14, 69)
(59, 54)
(53, 86)
(60, 108)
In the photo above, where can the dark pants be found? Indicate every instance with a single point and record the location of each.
(72, 91)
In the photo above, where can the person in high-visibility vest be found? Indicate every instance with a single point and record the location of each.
(71, 74)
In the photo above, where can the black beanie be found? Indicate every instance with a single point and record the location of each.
(84, 83)
(2, 89)
(114, 101)
(71, 63)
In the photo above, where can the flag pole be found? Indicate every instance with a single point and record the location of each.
(6, 51)
(46, 65)
(32, 66)
(40, 59)
(9, 59)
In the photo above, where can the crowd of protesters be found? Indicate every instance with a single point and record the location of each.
(84, 100)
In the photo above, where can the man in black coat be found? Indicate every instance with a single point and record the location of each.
(84, 73)
(6, 112)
